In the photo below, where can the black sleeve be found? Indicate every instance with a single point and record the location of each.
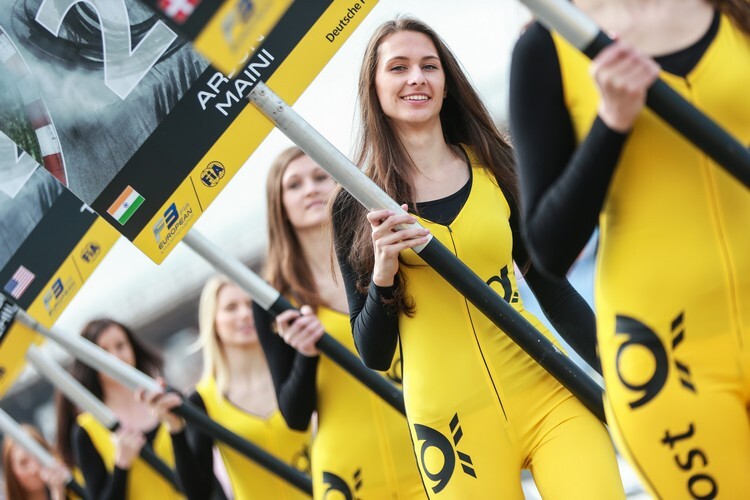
(374, 324)
(568, 312)
(100, 484)
(562, 188)
(194, 460)
(294, 375)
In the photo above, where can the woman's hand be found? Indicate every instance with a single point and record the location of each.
(161, 404)
(301, 330)
(388, 240)
(623, 76)
(128, 444)
(56, 477)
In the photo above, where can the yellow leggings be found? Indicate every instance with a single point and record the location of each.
(678, 395)
(477, 454)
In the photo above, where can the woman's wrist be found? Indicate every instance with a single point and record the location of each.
(382, 281)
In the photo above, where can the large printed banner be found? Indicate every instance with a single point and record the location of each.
(225, 31)
(119, 108)
(50, 243)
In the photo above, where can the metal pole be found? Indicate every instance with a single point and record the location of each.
(272, 301)
(104, 362)
(12, 429)
(434, 253)
(83, 399)
(705, 134)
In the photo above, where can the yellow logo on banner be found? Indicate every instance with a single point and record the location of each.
(236, 29)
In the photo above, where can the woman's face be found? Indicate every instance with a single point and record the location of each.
(115, 341)
(27, 470)
(234, 317)
(409, 78)
(304, 190)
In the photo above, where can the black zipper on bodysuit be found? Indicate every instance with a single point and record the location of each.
(476, 339)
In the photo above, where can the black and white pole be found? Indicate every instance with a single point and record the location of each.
(434, 253)
(104, 362)
(11, 428)
(83, 399)
(583, 33)
(272, 301)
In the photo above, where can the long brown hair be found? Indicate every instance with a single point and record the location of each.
(737, 10)
(146, 360)
(13, 488)
(464, 119)
(286, 269)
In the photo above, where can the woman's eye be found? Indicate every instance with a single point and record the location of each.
(431, 67)
(398, 68)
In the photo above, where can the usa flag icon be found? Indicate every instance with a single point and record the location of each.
(20, 281)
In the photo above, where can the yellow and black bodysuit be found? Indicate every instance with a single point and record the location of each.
(479, 408)
(362, 448)
(248, 480)
(94, 453)
(672, 288)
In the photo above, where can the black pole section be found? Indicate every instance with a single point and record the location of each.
(690, 122)
(272, 301)
(149, 456)
(515, 326)
(76, 488)
(352, 364)
(258, 455)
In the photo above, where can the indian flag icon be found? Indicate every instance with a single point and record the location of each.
(125, 205)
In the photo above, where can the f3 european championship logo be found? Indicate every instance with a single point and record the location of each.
(170, 224)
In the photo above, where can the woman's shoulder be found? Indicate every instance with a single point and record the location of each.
(535, 39)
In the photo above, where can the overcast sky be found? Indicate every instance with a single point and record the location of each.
(480, 32)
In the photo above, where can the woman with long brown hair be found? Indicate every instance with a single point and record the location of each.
(672, 286)
(362, 447)
(479, 408)
(25, 477)
(110, 462)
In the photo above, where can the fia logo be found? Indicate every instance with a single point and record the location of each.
(434, 439)
(90, 252)
(641, 336)
(335, 484)
(211, 176)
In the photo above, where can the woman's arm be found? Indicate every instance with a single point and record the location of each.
(294, 375)
(193, 454)
(100, 484)
(374, 325)
(562, 187)
(568, 312)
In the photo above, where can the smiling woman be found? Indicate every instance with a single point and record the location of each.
(362, 447)
(479, 409)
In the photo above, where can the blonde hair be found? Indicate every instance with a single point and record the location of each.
(214, 363)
